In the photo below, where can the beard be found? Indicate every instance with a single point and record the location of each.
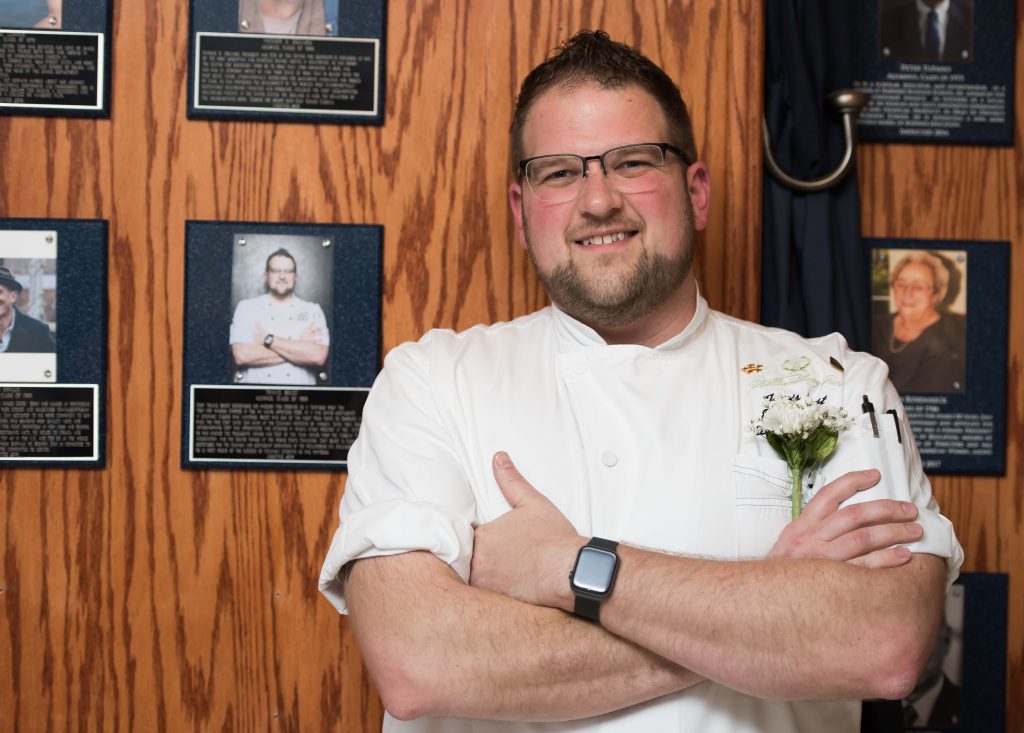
(613, 300)
(280, 290)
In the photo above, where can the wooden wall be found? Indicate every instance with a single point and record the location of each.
(144, 597)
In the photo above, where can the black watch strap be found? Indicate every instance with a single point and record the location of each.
(589, 606)
(603, 544)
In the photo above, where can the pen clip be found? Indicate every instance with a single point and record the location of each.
(896, 422)
(868, 408)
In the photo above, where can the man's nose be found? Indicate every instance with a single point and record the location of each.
(599, 196)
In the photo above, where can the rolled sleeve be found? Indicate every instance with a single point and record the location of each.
(406, 489)
(321, 322)
(243, 324)
(894, 453)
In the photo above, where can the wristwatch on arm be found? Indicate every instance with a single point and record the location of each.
(268, 340)
(593, 576)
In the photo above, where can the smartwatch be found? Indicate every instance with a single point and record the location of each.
(593, 576)
(268, 340)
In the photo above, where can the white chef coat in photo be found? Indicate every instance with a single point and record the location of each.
(285, 320)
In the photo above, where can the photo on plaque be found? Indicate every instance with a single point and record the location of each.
(53, 342)
(282, 342)
(288, 17)
(939, 322)
(937, 700)
(963, 685)
(276, 336)
(919, 321)
(30, 14)
(937, 71)
(55, 57)
(28, 306)
(928, 31)
(293, 60)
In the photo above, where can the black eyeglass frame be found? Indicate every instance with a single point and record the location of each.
(665, 148)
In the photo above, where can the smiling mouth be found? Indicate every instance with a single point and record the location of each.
(605, 238)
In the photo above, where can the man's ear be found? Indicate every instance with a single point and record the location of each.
(515, 202)
(698, 181)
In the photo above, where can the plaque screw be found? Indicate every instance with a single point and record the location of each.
(326, 243)
(47, 373)
(53, 20)
(329, 27)
(245, 25)
(49, 239)
(241, 241)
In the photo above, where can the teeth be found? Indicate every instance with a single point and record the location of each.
(604, 239)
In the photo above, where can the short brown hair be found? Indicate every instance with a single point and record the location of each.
(940, 275)
(593, 57)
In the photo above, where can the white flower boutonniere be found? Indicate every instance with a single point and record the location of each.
(802, 432)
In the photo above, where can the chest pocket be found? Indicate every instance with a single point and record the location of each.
(762, 503)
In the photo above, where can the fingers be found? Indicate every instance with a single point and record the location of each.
(836, 492)
(890, 557)
(512, 484)
(879, 512)
(863, 542)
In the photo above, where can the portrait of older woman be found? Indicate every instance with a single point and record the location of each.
(284, 17)
(917, 335)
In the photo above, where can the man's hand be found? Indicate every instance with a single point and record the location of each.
(863, 534)
(312, 333)
(528, 552)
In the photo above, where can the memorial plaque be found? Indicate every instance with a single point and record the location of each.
(282, 342)
(294, 60)
(939, 320)
(55, 57)
(53, 341)
(945, 76)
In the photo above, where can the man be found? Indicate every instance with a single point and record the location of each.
(278, 338)
(20, 333)
(935, 701)
(939, 31)
(627, 405)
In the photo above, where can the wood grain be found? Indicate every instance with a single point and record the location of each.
(144, 597)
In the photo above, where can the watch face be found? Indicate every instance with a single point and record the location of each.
(594, 571)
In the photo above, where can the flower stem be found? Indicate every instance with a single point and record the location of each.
(798, 490)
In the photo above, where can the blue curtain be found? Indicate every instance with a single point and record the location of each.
(814, 272)
(814, 268)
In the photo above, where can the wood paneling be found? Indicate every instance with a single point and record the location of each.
(961, 192)
(144, 597)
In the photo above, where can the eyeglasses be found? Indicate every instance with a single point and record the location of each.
(631, 168)
(280, 271)
(901, 286)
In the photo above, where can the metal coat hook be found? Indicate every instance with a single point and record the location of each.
(849, 103)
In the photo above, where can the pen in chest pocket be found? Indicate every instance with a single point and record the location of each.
(868, 408)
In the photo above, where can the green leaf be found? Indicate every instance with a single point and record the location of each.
(821, 444)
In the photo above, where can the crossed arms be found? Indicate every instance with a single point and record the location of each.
(306, 350)
(834, 612)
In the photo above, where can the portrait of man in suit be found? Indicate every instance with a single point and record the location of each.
(20, 333)
(936, 699)
(938, 31)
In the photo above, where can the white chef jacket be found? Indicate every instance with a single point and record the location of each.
(648, 446)
(286, 320)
